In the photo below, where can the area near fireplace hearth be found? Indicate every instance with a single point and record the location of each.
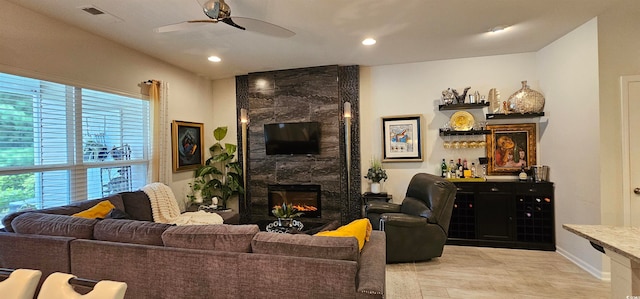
(303, 95)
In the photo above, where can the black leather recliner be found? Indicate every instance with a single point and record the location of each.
(416, 229)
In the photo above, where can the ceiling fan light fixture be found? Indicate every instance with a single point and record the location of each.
(214, 59)
(498, 28)
(369, 41)
(216, 10)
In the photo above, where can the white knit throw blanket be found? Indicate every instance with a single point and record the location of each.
(165, 208)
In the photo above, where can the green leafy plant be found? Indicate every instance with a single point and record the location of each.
(376, 173)
(221, 175)
(286, 210)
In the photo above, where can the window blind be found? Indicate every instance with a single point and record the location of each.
(61, 143)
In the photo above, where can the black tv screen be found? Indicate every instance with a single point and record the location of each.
(292, 138)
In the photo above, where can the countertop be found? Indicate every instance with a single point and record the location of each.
(619, 239)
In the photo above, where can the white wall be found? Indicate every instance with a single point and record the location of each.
(224, 114)
(36, 46)
(416, 88)
(568, 70)
(619, 55)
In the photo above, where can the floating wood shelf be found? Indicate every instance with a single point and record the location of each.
(514, 115)
(463, 106)
(470, 132)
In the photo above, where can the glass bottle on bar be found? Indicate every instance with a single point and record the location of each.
(444, 169)
(452, 169)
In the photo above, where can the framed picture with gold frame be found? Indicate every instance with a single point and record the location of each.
(402, 138)
(187, 140)
(510, 147)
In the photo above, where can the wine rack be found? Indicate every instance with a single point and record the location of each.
(463, 220)
(503, 214)
(534, 216)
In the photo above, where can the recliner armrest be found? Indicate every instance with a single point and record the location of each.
(399, 219)
(382, 207)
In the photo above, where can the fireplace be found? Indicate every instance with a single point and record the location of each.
(305, 198)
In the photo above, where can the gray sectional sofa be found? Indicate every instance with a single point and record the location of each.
(210, 261)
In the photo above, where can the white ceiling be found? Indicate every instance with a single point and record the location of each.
(327, 31)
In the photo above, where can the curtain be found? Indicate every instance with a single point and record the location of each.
(161, 156)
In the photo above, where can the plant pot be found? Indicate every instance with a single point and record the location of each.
(198, 198)
(285, 222)
(375, 188)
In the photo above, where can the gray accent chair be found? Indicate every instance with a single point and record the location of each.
(417, 229)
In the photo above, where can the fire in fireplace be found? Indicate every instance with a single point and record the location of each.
(305, 198)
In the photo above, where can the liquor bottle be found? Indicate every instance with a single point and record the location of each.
(523, 174)
(452, 168)
(466, 173)
(474, 174)
(444, 169)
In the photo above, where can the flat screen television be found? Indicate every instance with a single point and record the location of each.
(292, 138)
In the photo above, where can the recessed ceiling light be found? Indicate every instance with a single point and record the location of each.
(369, 41)
(214, 58)
(498, 28)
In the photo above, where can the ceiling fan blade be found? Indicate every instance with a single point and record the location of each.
(182, 26)
(263, 27)
(228, 21)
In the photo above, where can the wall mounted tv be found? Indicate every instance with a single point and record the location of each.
(292, 138)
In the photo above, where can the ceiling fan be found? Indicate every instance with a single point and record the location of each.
(219, 11)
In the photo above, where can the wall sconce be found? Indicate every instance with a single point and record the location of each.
(244, 121)
(347, 145)
(347, 110)
(244, 118)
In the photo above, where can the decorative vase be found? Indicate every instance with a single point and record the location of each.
(375, 188)
(494, 101)
(526, 100)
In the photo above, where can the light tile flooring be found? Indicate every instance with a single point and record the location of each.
(481, 272)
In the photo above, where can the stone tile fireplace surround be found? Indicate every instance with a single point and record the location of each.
(301, 95)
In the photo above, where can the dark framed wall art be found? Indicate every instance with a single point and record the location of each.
(510, 147)
(402, 138)
(187, 141)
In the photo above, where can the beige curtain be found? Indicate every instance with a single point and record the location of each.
(160, 146)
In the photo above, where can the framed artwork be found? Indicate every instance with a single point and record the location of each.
(509, 147)
(187, 141)
(402, 138)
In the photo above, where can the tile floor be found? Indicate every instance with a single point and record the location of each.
(481, 272)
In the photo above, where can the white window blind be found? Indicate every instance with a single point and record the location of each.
(61, 144)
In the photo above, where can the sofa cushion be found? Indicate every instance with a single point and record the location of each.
(303, 245)
(137, 205)
(130, 231)
(69, 209)
(100, 210)
(222, 237)
(54, 225)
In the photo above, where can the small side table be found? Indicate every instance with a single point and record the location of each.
(383, 196)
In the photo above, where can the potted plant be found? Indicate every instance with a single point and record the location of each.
(285, 213)
(376, 174)
(221, 175)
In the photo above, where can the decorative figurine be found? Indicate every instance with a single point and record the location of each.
(460, 98)
(447, 97)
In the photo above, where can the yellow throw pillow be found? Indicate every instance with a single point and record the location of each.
(98, 211)
(360, 229)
